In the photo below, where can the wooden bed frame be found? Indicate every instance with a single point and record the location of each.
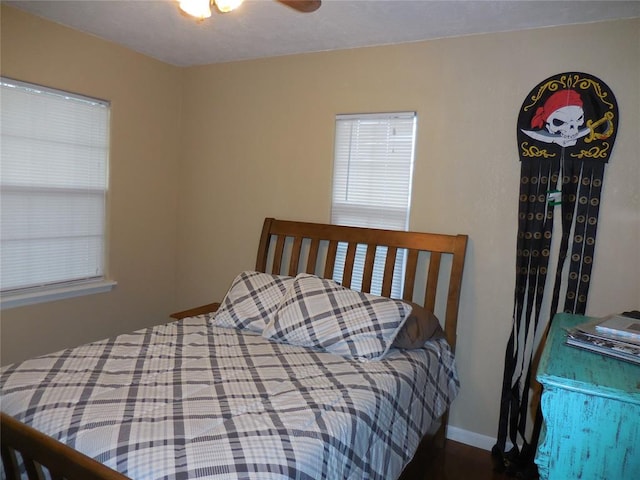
(432, 277)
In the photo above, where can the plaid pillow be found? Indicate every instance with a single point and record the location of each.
(251, 301)
(320, 313)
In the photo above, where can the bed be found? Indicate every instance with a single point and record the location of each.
(259, 385)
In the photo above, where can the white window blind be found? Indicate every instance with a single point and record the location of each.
(373, 169)
(53, 180)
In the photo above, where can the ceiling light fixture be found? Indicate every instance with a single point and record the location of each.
(201, 9)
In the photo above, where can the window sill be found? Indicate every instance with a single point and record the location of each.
(31, 298)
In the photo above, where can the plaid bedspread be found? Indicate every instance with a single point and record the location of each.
(190, 400)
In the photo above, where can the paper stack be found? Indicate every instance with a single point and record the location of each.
(615, 335)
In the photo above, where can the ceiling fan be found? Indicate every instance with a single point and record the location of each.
(201, 9)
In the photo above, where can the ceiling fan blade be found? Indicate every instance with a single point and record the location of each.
(304, 6)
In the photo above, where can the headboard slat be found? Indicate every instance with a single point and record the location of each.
(331, 259)
(389, 266)
(312, 259)
(410, 274)
(432, 281)
(295, 256)
(348, 264)
(277, 255)
(367, 274)
(453, 292)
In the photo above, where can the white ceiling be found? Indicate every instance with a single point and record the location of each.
(265, 28)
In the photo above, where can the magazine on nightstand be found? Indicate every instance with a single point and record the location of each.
(613, 335)
(620, 326)
(604, 328)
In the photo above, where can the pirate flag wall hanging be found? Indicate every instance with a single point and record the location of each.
(566, 129)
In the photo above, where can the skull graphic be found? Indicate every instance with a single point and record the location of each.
(562, 116)
(565, 123)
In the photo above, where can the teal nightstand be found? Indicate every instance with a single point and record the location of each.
(591, 409)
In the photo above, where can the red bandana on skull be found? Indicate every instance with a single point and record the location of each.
(557, 101)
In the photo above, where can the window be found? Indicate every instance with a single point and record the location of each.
(373, 168)
(53, 180)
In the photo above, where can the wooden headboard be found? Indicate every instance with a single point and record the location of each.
(432, 269)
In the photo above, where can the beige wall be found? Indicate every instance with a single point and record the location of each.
(256, 140)
(145, 120)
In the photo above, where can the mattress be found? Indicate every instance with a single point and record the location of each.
(191, 400)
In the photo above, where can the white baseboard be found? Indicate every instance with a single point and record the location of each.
(477, 440)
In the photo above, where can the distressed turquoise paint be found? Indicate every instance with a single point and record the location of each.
(591, 409)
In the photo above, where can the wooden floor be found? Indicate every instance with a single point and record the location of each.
(457, 461)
